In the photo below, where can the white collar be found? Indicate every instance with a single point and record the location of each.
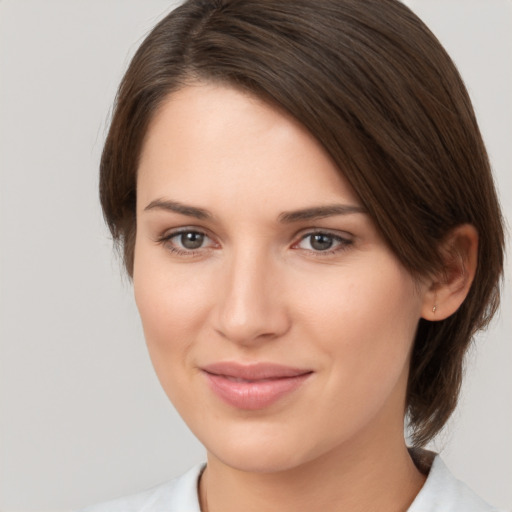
(442, 492)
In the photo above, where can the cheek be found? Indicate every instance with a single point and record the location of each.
(172, 306)
(364, 320)
(360, 301)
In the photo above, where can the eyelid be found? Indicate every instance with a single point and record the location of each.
(335, 233)
(169, 234)
(343, 239)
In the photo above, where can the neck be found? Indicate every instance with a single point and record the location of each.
(375, 476)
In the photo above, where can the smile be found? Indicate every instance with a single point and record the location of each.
(253, 387)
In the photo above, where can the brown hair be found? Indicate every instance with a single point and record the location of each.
(375, 87)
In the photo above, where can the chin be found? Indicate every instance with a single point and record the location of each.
(257, 459)
(268, 449)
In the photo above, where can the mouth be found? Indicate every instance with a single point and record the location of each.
(254, 386)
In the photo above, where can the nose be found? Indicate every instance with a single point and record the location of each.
(250, 303)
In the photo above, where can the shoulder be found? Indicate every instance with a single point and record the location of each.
(177, 495)
(443, 492)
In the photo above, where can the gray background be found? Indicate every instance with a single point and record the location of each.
(82, 415)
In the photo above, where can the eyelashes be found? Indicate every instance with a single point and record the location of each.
(323, 243)
(192, 242)
(187, 242)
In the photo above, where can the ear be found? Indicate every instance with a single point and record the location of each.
(450, 286)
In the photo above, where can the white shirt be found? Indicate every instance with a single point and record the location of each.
(442, 492)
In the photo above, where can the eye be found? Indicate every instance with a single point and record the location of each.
(190, 239)
(186, 242)
(323, 242)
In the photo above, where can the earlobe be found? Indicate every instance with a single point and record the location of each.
(451, 285)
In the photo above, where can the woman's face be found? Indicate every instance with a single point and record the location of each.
(278, 321)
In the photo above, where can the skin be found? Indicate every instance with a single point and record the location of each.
(258, 290)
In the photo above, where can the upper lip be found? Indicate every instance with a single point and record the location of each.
(253, 371)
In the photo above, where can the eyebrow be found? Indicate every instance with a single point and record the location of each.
(319, 212)
(175, 206)
(316, 212)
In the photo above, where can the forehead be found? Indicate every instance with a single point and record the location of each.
(215, 143)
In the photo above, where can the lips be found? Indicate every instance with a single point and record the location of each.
(254, 386)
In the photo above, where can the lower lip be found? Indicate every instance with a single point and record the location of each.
(253, 395)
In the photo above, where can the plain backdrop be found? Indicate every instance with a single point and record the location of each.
(83, 417)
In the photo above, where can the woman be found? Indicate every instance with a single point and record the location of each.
(305, 205)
